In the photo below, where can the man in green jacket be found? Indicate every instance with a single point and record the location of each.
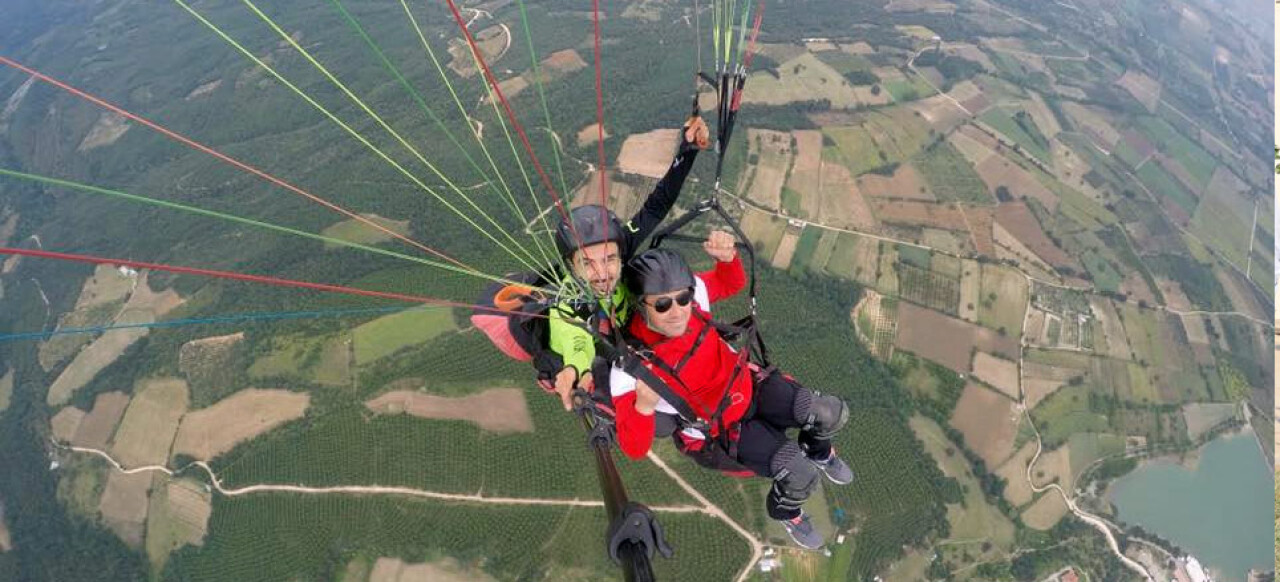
(595, 243)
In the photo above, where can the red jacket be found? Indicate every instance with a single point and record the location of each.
(703, 379)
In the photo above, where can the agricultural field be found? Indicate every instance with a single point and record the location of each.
(1203, 416)
(906, 182)
(99, 425)
(1143, 88)
(803, 78)
(764, 179)
(143, 306)
(1007, 181)
(975, 518)
(1019, 221)
(854, 258)
(1020, 129)
(320, 360)
(1002, 300)
(1040, 380)
(208, 432)
(178, 515)
(931, 289)
(1017, 489)
(1045, 512)
(950, 176)
(989, 421)
(1066, 412)
(1189, 155)
(924, 214)
(946, 340)
(123, 506)
(648, 154)
(385, 335)
(499, 410)
(150, 423)
(840, 204)
(100, 301)
(765, 231)
(999, 373)
(360, 232)
(1167, 188)
(6, 390)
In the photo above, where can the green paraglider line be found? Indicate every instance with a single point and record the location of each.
(422, 104)
(228, 160)
(502, 122)
(239, 219)
(537, 77)
(363, 140)
(226, 319)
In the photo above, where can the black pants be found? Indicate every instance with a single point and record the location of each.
(781, 403)
(764, 431)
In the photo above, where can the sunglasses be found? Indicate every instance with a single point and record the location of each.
(664, 304)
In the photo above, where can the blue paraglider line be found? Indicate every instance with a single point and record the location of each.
(263, 316)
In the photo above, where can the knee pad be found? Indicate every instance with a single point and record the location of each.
(822, 414)
(794, 475)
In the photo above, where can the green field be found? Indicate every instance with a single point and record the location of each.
(1066, 412)
(1002, 300)
(1104, 273)
(387, 334)
(793, 203)
(1222, 230)
(319, 359)
(910, 89)
(825, 248)
(1162, 184)
(1024, 134)
(917, 257)
(1087, 448)
(807, 246)
(1192, 157)
(950, 176)
(855, 149)
(844, 258)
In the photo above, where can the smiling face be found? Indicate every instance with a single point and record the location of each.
(675, 320)
(599, 265)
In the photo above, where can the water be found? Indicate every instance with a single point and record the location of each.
(1221, 512)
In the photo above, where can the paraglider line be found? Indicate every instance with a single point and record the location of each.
(248, 278)
(262, 316)
(237, 219)
(227, 159)
(604, 182)
(506, 106)
(417, 98)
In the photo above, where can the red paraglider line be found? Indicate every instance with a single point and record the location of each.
(243, 277)
(604, 184)
(511, 115)
(229, 160)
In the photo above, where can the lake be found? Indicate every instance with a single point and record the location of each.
(1221, 512)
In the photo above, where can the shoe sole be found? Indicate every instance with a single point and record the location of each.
(798, 543)
(833, 479)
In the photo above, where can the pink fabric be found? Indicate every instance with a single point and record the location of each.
(495, 326)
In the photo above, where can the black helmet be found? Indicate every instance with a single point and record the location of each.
(592, 224)
(657, 271)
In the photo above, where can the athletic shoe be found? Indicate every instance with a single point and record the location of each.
(802, 531)
(836, 470)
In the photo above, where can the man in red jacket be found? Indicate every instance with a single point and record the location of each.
(742, 414)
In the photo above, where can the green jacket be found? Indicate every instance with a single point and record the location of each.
(574, 344)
